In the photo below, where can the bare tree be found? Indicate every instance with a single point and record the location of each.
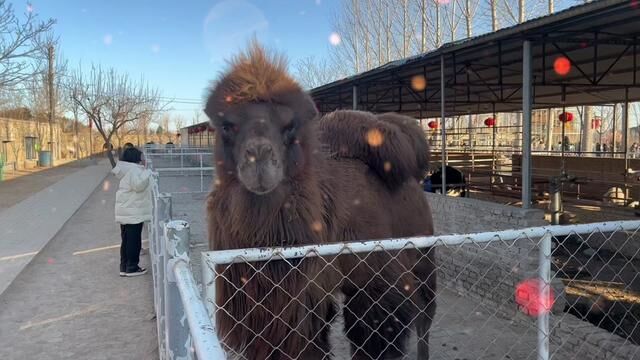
(21, 41)
(197, 113)
(312, 72)
(112, 100)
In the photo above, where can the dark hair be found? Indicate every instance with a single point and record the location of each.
(131, 155)
(128, 145)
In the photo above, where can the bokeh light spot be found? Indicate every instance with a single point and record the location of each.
(51, 261)
(387, 166)
(529, 296)
(375, 137)
(418, 83)
(106, 185)
(334, 39)
(562, 66)
(316, 226)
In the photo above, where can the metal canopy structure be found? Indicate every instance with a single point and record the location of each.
(585, 55)
(600, 39)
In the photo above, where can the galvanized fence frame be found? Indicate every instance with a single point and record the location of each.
(224, 257)
(185, 313)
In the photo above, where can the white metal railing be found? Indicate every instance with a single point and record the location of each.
(187, 162)
(212, 259)
(186, 314)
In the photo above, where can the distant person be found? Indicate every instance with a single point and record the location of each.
(605, 147)
(598, 149)
(133, 208)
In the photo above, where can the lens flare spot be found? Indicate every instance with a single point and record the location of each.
(531, 298)
(562, 66)
(418, 83)
(106, 185)
(356, 202)
(316, 226)
(252, 159)
(407, 287)
(216, 182)
(51, 261)
(228, 98)
(375, 137)
(387, 166)
(334, 39)
(243, 279)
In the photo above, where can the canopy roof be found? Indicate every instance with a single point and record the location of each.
(599, 39)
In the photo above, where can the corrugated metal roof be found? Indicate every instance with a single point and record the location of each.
(518, 30)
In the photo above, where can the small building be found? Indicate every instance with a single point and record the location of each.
(21, 141)
(197, 135)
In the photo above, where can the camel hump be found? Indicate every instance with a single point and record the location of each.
(392, 145)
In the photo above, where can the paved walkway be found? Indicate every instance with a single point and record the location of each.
(27, 226)
(15, 189)
(70, 303)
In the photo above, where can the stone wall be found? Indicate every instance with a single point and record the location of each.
(486, 271)
(489, 273)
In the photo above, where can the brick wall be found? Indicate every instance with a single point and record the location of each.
(490, 272)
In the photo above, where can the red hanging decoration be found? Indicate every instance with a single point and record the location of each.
(490, 122)
(596, 123)
(433, 124)
(565, 117)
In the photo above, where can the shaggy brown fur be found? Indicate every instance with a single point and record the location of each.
(353, 186)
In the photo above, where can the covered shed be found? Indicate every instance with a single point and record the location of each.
(585, 55)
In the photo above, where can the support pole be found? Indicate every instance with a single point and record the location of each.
(526, 124)
(355, 97)
(50, 55)
(549, 131)
(544, 266)
(625, 143)
(176, 237)
(163, 212)
(444, 133)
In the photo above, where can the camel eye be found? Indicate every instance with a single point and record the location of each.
(288, 134)
(227, 127)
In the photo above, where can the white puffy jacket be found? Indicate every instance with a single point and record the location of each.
(133, 198)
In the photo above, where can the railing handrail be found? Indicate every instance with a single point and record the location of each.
(221, 257)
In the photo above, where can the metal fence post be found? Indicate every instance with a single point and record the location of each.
(163, 216)
(177, 336)
(209, 285)
(544, 268)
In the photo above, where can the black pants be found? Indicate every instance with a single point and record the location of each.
(130, 249)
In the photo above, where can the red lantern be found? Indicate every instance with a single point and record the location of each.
(565, 117)
(490, 122)
(596, 123)
(433, 124)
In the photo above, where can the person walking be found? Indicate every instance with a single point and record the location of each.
(133, 208)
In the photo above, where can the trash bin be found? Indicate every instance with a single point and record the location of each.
(44, 158)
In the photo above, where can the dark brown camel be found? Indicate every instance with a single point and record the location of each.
(286, 177)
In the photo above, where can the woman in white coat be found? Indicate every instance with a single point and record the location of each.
(133, 208)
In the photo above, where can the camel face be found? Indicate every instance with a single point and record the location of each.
(257, 138)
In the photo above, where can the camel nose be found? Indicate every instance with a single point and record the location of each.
(258, 150)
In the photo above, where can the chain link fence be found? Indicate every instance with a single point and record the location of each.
(554, 292)
(546, 292)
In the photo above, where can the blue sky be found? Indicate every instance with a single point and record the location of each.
(180, 46)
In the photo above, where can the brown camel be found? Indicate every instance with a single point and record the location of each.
(287, 177)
